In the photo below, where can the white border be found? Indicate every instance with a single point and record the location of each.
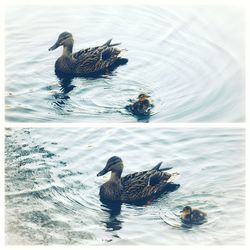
(122, 2)
(127, 125)
(4, 125)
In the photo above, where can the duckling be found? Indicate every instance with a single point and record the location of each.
(141, 107)
(192, 216)
(136, 188)
(86, 62)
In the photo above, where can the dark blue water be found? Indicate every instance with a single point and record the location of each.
(52, 189)
(189, 58)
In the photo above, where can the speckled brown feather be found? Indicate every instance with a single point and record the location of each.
(86, 61)
(137, 187)
(92, 60)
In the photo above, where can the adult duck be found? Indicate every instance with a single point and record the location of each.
(86, 62)
(136, 188)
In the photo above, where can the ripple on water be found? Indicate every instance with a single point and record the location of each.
(37, 180)
(52, 188)
(192, 72)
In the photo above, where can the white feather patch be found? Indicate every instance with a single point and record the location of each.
(173, 177)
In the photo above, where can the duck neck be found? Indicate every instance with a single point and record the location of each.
(115, 176)
(67, 50)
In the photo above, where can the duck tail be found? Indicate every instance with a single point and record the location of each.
(122, 52)
(108, 43)
(157, 167)
(114, 44)
(164, 169)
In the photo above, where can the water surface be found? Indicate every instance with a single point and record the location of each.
(190, 59)
(52, 188)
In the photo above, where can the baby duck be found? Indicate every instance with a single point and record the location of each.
(192, 216)
(142, 106)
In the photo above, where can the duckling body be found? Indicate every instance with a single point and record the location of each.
(137, 187)
(141, 107)
(90, 61)
(192, 216)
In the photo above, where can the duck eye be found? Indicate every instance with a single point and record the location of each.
(64, 38)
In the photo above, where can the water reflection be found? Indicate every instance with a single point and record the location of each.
(113, 210)
(140, 118)
(66, 86)
(49, 177)
(143, 118)
(176, 65)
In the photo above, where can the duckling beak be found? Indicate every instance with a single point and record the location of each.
(56, 45)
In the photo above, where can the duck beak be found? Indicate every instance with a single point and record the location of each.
(103, 172)
(56, 45)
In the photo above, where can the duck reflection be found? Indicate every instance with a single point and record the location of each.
(144, 118)
(65, 87)
(113, 209)
(66, 84)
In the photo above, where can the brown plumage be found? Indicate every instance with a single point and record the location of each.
(141, 107)
(86, 62)
(135, 188)
(191, 216)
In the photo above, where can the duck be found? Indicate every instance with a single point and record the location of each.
(190, 216)
(86, 62)
(136, 188)
(142, 106)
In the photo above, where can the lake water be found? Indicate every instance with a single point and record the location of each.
(190, 59)
(52, 188)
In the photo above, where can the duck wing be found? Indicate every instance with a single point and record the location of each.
(144, 185)
(81, 53)
(96, 58)
(142, 107)
(145, 176)
(139, 191)
(198, 217)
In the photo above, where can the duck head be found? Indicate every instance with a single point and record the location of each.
(143, 97)
(186, 211)
(115, 165)
(65, 39)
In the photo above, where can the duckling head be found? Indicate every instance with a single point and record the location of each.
(115, 165)
(143, 97)
(65, 39)
(186, 211)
